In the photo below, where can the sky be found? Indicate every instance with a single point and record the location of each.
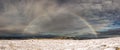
(114, 25)
(59, 16)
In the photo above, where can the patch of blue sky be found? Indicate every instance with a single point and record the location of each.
(110, 27)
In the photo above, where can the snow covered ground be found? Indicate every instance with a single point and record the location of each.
(58, 44)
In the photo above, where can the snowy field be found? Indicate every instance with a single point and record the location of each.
(58, 44)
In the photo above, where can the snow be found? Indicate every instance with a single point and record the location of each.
(61, 44)
(110, 49)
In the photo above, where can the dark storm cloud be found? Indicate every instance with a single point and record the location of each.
(55, 15)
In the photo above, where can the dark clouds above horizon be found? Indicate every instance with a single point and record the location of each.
(55, 15)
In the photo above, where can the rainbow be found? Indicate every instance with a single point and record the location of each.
(81, 18)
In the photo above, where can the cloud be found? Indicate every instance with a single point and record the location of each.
(55, 15)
